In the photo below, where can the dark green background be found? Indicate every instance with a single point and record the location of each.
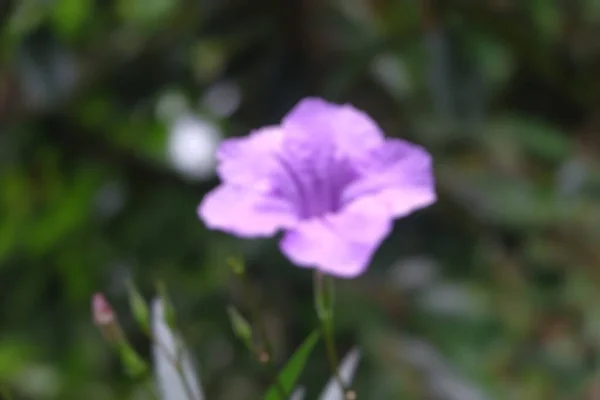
(504, 93)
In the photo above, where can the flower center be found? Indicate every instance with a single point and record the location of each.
(313, 185)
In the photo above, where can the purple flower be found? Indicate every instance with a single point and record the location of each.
(326, 176)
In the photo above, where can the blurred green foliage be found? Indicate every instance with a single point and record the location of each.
(493, 293)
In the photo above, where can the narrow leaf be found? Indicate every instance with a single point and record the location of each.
(333, 391)
(292, 370)
(299, 394)
(240, 325)
(175, 375)
(139, 307)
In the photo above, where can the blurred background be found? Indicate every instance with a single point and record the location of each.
(110, 112)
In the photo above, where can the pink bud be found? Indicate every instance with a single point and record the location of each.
(102, 312)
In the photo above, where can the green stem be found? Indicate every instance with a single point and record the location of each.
(324, 303)
(264, 338)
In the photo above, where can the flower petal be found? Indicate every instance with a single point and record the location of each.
(355, 131)
(250, 161)
(340, 244)
(245, 213)
(399, 176)
(350, 129)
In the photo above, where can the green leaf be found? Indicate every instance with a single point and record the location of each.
(145, 12)
(292, 370)
(70, 16)
(237, 265)
(241, 326)
(139, 307)
(169, 310)
(26, 17)
(134, 365)
(537, 137)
